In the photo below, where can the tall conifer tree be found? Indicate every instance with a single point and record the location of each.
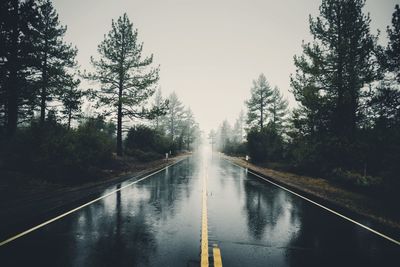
(72, 100)
(392, 52)
(277, 110)
(174, 115)
(55, 58)
(335, 67)
(17, 20)
(126, 83)
(258, 104)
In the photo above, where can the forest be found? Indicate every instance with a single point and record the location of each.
(346, 124)
(63, 123)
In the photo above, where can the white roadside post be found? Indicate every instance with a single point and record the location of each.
(166, 156)
(247, 162)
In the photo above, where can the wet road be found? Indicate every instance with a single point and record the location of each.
(157, 222)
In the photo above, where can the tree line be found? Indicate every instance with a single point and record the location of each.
(346, 126)
(42, 96)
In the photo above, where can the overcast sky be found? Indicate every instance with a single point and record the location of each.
(209, 50)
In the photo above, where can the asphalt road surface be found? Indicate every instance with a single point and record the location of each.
(158, 221)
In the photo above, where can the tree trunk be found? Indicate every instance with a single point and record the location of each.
(262, 112)
(172, 129)
(43, 105)
(12, 86)
(12, 104)
(119, 122)
(339, 118)
(43, 94)
(69, 118)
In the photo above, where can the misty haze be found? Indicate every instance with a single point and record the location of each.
(199, 133)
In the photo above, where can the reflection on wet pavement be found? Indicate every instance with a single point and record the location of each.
(157, 221)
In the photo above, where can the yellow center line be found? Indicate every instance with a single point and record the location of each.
(217, 257)
(204, 225)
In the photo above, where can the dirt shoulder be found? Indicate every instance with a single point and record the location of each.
(364, 207)
(25, 202)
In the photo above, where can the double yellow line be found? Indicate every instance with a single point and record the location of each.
(204, 231)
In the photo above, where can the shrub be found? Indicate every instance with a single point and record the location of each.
(144, 156)
(52, 152)
(355, 179)
(234, 148)
(146, 139)
(90, 147)
(264, 144)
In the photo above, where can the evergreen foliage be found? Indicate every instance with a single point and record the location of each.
(17, 60)
(391, 57)
(174, 113)
(331, 75)
(277, 110)
(40, 94)
(55, 58)
(258, 104)
(124, 74)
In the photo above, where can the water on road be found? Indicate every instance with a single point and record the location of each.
(157, 222)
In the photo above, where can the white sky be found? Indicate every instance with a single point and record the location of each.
(209, 50)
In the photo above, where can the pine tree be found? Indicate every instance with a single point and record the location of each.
(392, 52)
(385, 101)
(225, 134)
(126, 81)
(258, 103)
(335, 67)
(160, 107)
(72, 101)
(238, 128)
(55, 57)
(212, 137)
(188, 129)
(16, 60)
(278, 110)
(173, 116)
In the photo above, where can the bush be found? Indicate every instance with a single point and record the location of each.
(55, 153)
(144, 156)
(265, 144)
(355, 179)
(234, 148)
(145, 139)
(90, 146)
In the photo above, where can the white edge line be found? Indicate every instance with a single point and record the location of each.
(82, 206)
(322, 206)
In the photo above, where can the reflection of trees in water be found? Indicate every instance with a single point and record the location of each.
(238, 175)
(310, 236)
(120, 230)
(327, 240)
(169, 188)
(113, 238)
(269, 211)
(260, 210)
